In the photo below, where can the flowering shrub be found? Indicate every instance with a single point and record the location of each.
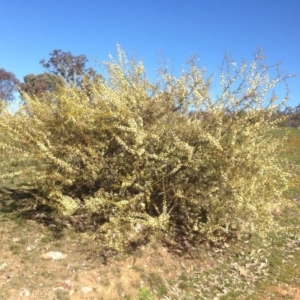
(154, 158)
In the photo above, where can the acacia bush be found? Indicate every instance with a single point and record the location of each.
(148, 159)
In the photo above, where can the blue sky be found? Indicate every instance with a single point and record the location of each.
(31, 29)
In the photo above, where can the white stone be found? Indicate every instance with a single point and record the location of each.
(25, 293)
(55, 255)
(3, 266)
(86, 289)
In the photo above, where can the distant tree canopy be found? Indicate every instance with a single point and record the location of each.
(71, 68)
(62, 68)
(39, 84)
(8, 85)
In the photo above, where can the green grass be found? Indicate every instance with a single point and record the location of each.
(145, 294)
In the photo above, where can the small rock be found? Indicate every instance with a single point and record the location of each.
(86, 289)
(29, 248)
(3, 266)
(25, 293)
(55, 255)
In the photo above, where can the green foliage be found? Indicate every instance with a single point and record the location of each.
(144, 294)
(160, 158)
(40, 84)
(8, 85)
(69, 67)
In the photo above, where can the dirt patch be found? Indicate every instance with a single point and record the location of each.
(24, 271)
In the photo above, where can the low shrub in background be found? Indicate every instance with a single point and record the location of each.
(148, 159)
